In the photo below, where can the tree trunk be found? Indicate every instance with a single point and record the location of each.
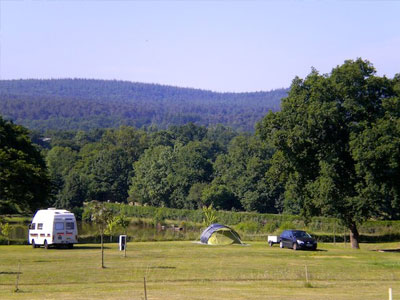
(102, 251)
(354, 236)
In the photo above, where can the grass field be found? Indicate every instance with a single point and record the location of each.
(185, 270)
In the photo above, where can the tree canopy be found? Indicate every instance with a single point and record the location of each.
(24, 182)
(337, 138)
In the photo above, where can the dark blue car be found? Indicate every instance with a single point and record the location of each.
(297, 239)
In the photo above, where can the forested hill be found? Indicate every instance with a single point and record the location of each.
(87, 104)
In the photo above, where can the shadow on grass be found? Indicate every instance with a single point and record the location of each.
(80, 248)
(89, 247)
(388, 250)
(309, 250)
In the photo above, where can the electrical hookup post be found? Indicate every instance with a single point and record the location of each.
(122, 243)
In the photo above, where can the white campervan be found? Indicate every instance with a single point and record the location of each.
(53, 227)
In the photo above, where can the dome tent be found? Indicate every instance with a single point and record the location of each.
(217, 234)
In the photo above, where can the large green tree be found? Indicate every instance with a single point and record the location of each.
(336, 143)
(242, 172)
(60, 161)
(150, 184)
(165, 175)
(24, 183)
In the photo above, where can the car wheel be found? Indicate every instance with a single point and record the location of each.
(294, 246)
(33, 244)
(281, 244)
(271, 244)
(314, 248)
(70, 246)
(46, 245)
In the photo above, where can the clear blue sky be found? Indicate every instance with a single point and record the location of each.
(217, 45)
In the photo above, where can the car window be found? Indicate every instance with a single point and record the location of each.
(301, 234)
(32, 226)
(40, 226)
(70, 225)
(59, 226)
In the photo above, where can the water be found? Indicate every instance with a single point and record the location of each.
(88, 232)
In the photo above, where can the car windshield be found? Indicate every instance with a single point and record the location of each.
(301, 234)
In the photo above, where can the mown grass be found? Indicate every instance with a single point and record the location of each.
(186, 270)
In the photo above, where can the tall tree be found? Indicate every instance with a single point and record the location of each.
(192, 164)
(317, 133)
(242, 171)
(108, 173)
(24, 182)
(150, 184)
(60, 161)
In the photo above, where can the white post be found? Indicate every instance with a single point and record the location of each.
(390, 294)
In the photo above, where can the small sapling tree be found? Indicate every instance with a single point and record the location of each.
(209, 215)
(6, 231)
(101, 215)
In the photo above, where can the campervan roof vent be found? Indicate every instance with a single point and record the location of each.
(51, 208)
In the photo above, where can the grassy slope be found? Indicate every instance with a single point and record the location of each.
(184, 270)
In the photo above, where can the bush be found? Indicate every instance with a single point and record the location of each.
(270, 227)
(287, 225)
(248, 227)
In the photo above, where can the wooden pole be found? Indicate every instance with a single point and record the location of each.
(145, 289)
(17, 282)
(334, 233)
(390, 294)
(102, 250)
(126, 244)
(306, 273)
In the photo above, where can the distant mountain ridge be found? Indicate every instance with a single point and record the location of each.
(88, 103)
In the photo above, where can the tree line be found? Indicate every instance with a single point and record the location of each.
(88, 104)
(183, 167)
(332, 150)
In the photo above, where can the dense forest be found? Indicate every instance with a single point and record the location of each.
(185, 166)
(89, 104)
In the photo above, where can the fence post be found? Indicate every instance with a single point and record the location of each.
(306, 273)
(334, 233)
(17, 281)
(390, 294)
(145, 288)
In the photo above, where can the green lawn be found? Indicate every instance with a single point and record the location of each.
(185, 270)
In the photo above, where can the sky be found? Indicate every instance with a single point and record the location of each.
(225, 46)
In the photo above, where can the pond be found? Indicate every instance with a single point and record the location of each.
(88, 232)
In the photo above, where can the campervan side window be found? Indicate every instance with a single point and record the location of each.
(40, 226)
(70, 225)
(59, 226)
(32, 226)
